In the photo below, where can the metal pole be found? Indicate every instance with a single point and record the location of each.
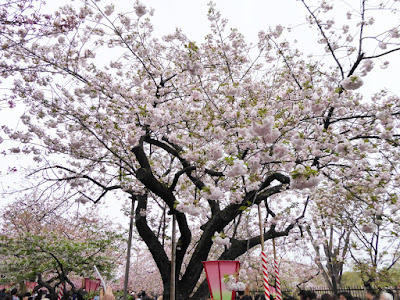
(173, 256)
(128, 254)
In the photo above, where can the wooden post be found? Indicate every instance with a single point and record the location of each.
(261, 227)
(128, 254)
(273, 245)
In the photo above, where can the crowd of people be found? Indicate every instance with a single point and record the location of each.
(14, 295)
(43, 295)
(142, 295)
(370, 294)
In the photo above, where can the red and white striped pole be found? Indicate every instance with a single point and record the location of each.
(265, 275)
(60, 292)
(263, 257)
(277, 281)
(278, 291)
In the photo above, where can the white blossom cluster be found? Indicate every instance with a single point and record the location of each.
(222, 241)
(266, 130)
(303, 179)
(367, 67)
(82, 200)
(188, 208)
(352, 82)
(140, 9)
(238, 169)
(236, 282)
(368, 228)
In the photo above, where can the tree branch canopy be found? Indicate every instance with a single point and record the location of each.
(209, 132)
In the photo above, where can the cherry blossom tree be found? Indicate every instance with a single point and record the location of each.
(376, 245)
(363, 234)
(144, 274)
(331, 245)
(38, 244)
(204, 131)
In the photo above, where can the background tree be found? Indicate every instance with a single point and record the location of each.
(205, 131)
(376, 245)
(38, 244)
(365, 233)
(330, 232)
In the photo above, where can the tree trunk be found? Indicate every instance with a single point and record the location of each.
(186, 282)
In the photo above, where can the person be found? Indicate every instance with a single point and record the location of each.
(370, 294)
(335, 297)
(107, 295)
(26, 296)
(302, 294)
(326, 297)
(345, 296)
(260, 297)
(137, 295)
(307, 295)
(386, 295)
(39, 295)
(14, 294)
(2, 293)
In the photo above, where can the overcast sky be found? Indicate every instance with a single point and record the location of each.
(248, 16)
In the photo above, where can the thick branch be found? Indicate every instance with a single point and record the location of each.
(81, 176)
(45, 284)
(145, 176)
(186, 166)
(148, 236)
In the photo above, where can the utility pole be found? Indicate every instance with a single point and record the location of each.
(173, 261)
(128, 253)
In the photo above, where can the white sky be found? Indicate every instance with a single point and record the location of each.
(248, 16)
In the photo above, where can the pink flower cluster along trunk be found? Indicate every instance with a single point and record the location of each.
(215, 272)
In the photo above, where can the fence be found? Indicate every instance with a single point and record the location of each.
(355, 291)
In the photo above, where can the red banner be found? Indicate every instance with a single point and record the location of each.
(30, 285)
(92, 285)
(6, 286)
